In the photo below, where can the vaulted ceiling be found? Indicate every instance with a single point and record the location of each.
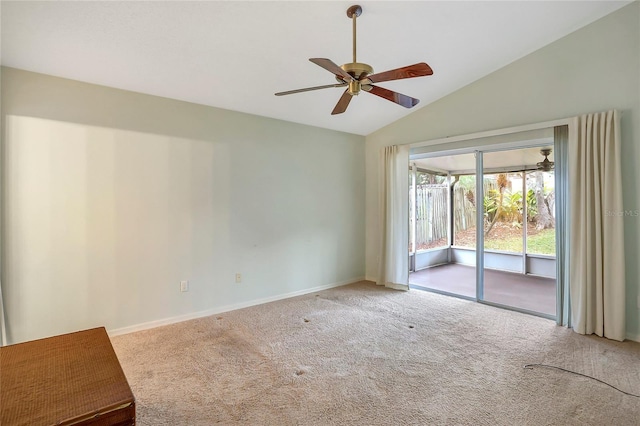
(237, 54)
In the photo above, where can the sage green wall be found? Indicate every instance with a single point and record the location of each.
(593, 69)
(111, 198)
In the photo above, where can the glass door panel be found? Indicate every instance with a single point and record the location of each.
(444, 221)
(541, 240)
(510, 276)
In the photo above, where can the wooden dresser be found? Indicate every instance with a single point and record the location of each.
(72, 379)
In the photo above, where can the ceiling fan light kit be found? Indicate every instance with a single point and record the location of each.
(357, 76)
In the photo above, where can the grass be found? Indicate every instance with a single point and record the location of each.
(544, 242)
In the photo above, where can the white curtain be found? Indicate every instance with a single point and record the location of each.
(394, 217)
(596, 266)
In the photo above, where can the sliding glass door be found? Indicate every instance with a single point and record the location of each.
(483, 228)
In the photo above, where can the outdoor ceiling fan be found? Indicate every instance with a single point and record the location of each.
(356, 76)
(545, 165)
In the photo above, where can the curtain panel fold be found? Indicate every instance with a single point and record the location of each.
(596, 266)
(394, 217)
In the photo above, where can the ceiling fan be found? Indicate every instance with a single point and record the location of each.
(357, 76)
(545, 165)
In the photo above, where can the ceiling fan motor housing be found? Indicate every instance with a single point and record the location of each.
(359, 72)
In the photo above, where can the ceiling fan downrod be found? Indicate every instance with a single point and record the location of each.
(353, 12)
(357, 70)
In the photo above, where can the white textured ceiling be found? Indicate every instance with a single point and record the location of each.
(237, 54)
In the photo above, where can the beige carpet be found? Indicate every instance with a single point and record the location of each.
(365, 355)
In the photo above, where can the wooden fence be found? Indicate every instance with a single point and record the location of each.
(431, 211)
(464, 209)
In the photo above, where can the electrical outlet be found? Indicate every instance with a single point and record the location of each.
(238, 278)
(184, 285)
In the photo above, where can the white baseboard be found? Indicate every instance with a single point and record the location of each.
(634, 337)
(226, 308)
